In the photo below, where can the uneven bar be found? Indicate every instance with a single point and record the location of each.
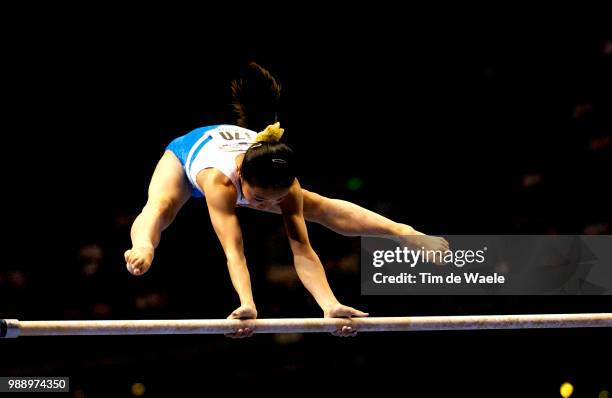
(15, 328)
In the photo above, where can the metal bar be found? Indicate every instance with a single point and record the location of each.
(14, 328)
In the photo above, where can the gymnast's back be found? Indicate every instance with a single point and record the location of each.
(212, 147)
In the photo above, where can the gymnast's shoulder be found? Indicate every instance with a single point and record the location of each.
(213, 180)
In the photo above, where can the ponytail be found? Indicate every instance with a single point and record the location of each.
(255, 98)
(267, 163)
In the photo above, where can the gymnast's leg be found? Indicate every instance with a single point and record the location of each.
(349, 219)
(168, 192)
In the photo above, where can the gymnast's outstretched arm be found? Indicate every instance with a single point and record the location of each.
(307, 263)
(221, 199)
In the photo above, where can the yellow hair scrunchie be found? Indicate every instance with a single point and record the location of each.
(272, 133)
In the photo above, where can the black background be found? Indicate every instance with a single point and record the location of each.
(440, 118)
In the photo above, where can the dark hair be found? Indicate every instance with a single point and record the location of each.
(268, 165)
(256, 96)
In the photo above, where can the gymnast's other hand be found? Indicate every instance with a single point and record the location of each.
(342, 311)
(138, 259)
(245, 311)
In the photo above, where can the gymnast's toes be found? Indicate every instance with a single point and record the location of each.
(138, 260)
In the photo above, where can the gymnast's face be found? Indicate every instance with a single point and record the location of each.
(263, 198)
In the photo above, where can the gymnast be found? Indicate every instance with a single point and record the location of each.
(234, 165)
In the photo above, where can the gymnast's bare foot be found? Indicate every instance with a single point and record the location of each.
(138, 259)
(416, 240)
(426, 242)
